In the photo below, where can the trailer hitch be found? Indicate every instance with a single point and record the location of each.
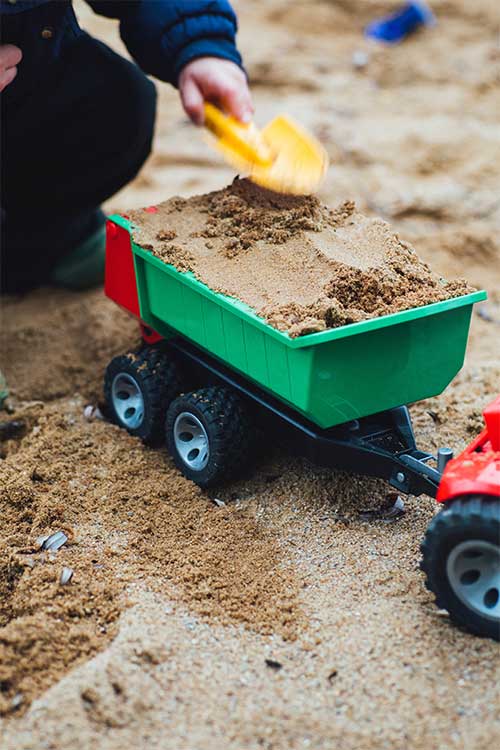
(415, 471)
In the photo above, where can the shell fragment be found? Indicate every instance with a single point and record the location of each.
(66, 576)
(53, 542)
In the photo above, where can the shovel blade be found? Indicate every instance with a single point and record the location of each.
(282, 157)
(300, 161)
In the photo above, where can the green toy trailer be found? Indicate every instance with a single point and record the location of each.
(211, 371)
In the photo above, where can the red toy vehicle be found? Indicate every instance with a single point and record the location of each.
(461, 548)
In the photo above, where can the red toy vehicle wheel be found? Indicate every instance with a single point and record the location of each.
(461, 560)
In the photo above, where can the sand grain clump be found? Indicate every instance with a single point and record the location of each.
(300, 265)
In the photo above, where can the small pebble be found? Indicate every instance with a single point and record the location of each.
(92, 412)
(433, 415)
(16, 701)
(272, 664)
(442, 613)
(392, 509)
(360, 58)
(11, 429)
(483, 313)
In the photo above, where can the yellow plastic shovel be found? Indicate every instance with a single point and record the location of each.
(281, 157)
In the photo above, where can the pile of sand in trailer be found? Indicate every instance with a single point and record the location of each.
(300, 265)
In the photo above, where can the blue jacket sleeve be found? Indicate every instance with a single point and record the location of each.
(164, 35)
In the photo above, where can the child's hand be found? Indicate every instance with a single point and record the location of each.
(218, 81)
(10, 56)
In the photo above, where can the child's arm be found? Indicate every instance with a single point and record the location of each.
(190, 44)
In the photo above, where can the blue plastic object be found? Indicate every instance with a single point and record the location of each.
(396, 27)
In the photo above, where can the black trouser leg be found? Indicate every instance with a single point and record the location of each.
(66, 150)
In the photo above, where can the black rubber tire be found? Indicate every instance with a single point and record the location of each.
(228, 428)
(157, 376)
(463, 519)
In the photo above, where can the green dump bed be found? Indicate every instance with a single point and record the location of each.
(330, 377)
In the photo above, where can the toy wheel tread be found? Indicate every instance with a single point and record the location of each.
(138, 388)
(461, 562)
(209, 435)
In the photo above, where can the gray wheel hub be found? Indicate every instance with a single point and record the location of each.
(128, 401)
(473, 569)
(191, 441)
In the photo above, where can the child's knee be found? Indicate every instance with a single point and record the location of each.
(135, 113)
(142, 112)
(125, 99)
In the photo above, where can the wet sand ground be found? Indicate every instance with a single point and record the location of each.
(162, 637)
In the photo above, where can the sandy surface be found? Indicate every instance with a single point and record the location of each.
(302, 266)
(161, 638)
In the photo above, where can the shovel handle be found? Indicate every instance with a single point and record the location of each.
(242, 138)
(215, 120)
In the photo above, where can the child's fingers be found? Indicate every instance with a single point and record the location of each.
(10, 56)
(217, 81)
(192, 100)
(238, 102)
(236, 99)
